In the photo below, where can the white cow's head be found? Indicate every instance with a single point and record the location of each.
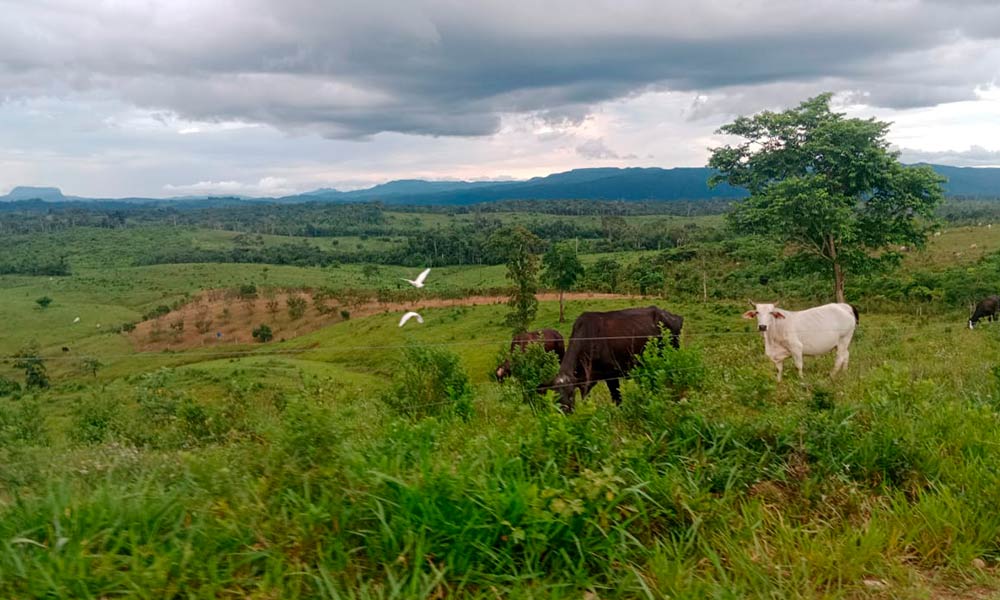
(765, 315)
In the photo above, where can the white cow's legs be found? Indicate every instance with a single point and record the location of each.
(843, 355)
(780, 365)
(798, 363)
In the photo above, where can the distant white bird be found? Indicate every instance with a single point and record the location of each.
(409, 316)
(419, 281)
(76, 320)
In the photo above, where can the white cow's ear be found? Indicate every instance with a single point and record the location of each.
(778, 314)
(750, 314)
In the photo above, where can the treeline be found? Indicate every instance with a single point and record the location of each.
(38, 266)
(320, 219)
(464, 244)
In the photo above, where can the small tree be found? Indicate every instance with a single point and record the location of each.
(296, 307)
(30, 360)
(272, 306)
(91, 365)
(562, 269)
(370, 272)
(263, 334)
(647, 276)
(826, 187)
(519, 249)
(203, 321)
(605, 274)
(43, 302)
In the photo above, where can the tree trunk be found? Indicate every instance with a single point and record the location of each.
(838, 282)
(561, 319)
(838, 271)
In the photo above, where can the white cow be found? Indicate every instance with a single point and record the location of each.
(809, 332)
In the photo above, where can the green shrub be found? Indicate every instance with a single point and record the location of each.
(93, 418)
(663, 369)
(8, 387)
(22, 421)
(430, 381)
(247, 291)
(263, 334)
(531, 369)
(29, 359)
(296, 307)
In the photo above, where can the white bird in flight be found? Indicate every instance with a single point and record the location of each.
(419, 281)
(76, 320)
(409, 316)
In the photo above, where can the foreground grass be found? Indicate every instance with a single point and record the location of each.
(289, 476)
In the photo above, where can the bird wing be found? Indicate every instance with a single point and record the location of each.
(423, 275)
(409, 316)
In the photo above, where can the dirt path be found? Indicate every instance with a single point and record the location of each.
(216, 317)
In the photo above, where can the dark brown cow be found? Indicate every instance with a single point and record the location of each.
(604, 346)
(553, 342)
(988, 307)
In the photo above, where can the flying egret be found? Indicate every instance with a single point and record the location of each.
(419, 281)
(409, 316)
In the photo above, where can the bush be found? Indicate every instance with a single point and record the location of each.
(247, 291)
(30, 360)
(92, 419)
(263, 334)
(22, 422)
(345, 314)
(430, 381)
(531, 370)
(8, 387)
(663, 369)
(43, 302)
(296, 307)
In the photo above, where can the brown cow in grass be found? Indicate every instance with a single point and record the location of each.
(604, 346)
(551, 339)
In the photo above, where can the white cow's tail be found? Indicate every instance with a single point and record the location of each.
(857, 319)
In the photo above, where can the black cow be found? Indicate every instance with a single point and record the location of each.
(604, 346)
(551, 339)
(987, 307)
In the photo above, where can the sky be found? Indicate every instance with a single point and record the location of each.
(109, 98)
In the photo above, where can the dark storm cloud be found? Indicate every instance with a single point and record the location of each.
(349, 70)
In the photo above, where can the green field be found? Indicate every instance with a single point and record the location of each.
(338, 465)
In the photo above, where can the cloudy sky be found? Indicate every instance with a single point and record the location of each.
(268, 97)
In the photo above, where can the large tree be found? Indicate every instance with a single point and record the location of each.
(826, 186)
(562, 269)
(519, 249)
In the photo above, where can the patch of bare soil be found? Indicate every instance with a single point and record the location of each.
(220, 317)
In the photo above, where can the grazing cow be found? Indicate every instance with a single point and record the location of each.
(809, 332)
(986, 308)
(604, 346)
(551, 339)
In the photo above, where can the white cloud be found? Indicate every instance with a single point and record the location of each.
(267, 186)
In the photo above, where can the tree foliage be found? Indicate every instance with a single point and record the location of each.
(519, 249)
(29, 360)
(826, 186)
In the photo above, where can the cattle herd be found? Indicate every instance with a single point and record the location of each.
(605, 346)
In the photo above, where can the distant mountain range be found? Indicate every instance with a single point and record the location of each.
(630, 184)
